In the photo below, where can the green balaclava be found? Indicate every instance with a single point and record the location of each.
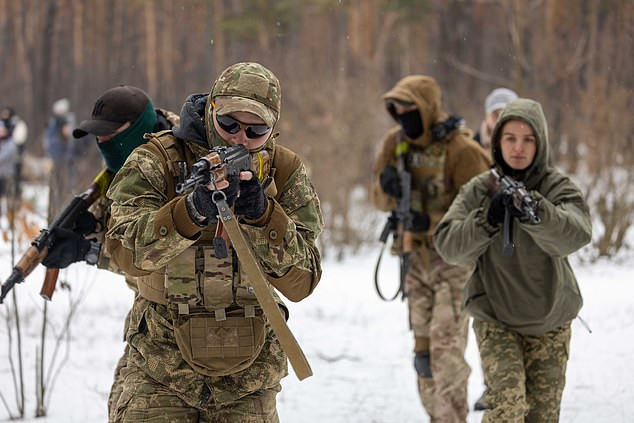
(250, 87)
(117, 149)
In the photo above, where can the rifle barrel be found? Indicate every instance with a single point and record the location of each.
(16, 277)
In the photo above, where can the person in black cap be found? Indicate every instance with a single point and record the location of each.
(120, 118)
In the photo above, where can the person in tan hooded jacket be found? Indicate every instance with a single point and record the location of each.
(441, 156)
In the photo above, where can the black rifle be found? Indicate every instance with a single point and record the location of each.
(399, 224)
(41, 244)
(521, 200)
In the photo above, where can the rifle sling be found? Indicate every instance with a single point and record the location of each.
(263, 293)
(376, 278)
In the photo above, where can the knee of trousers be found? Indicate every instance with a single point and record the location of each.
(422, 364)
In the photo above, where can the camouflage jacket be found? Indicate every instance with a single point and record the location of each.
(150, 226)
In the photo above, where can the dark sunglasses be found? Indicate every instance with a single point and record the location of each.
(232, 126)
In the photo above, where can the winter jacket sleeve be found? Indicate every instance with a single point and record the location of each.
(565, 223)
(380, 199)
(463, 234)
(145, 230)
(285, 242)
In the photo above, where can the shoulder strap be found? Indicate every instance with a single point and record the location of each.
(285, 162)
(170, 151)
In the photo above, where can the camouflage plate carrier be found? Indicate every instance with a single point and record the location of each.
(218, 325)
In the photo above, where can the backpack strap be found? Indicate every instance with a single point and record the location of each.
(171, 152)
(285, 162)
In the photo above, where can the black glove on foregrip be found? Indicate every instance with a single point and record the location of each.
(68, 247)
(390, 182)
(252, 201)
(499, 202)
(201, 199)
(420, 222)
(86, 223)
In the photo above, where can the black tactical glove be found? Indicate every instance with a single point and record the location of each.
(420, 222)
(390, 182)
(68, 247)
(200, 202)
(85, 223)
(252, 201)
(499, 203)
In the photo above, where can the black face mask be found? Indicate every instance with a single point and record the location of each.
(411, 123)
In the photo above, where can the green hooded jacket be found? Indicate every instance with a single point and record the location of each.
(534, 290)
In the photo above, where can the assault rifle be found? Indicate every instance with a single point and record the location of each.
(216, 166)
(43, 242)
(521, 200)
(399, 224)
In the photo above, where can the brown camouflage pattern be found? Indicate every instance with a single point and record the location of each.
(160, 386)
(434, 296)
(241, 81)
(234, 82)
(525, 374)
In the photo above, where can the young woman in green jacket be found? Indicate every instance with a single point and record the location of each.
(523, 299)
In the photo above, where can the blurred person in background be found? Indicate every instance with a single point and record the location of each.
(13, 134)
(440, 155)
(493, 105)
(522, 303)
(61, 149)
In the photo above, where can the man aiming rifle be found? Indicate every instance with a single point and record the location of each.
(424, 160)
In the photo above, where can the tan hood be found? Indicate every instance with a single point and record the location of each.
(424, 91)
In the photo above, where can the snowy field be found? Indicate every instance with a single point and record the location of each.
(359, 348)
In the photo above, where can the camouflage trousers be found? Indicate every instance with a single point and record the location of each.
(434, 292)
(525, 375)
(145, 400)
(158, 385)
(117, 384)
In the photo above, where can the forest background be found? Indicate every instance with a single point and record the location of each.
(334, 59)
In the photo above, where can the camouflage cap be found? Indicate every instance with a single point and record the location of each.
(248, 87)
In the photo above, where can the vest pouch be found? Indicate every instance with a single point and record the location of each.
(217, 280)
(181, 278)
(220, 347)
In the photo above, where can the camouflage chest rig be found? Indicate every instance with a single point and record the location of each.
(427, 167)
(218, 325)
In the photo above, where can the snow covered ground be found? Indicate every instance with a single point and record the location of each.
(359, 348)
